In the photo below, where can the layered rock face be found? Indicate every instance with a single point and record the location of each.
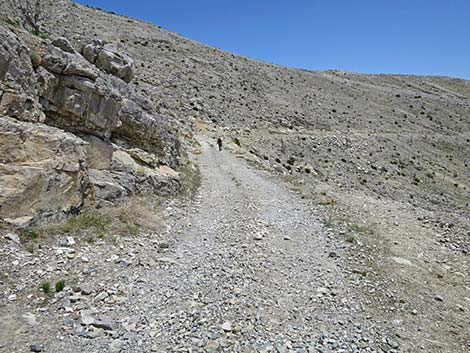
(74, 132)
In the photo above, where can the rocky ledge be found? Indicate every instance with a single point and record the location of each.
(74, 132)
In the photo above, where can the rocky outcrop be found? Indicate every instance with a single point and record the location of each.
(72, 131)
(118, 172)
(18, 93)
(109, 60)
(42, 171)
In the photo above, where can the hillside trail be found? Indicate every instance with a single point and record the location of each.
(251, 271)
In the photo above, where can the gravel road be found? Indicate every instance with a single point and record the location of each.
(250, 270)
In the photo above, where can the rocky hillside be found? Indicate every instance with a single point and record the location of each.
(401, 137)
(96, 107)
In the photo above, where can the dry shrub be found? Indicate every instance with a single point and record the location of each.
(127, 217)
(134, 214)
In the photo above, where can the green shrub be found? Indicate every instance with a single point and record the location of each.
(29, 234)
(236, 141)
(59, 286)
(45, 287)
(85, 220)
(11, 22)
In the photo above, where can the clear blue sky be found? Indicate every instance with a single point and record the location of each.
(424, 37)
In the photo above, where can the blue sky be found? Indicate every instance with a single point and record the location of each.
(423, 37)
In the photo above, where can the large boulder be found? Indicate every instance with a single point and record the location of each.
(110, 60)
(117, 172)
(150, 132)
(74, 97)
(42, 171)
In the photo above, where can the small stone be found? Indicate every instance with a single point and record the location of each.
(116, 346)
(286, 237)
(392, 343)
(69, 323)
(36, 347)
(85, 289)
(102, 296)
(385, 347)
(12, 297)
(227, 326)
(332, 254)
(82, 333)
(74, 298)
(258, 236)
(122, 262)
(30, 319)
(87, 319)
(105, 322)
(13, 237)
(438, 298)
(95, 333)
(163, 245)
(414, 312)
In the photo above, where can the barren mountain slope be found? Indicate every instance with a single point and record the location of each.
(402, 137)
(406, 137)
(384, 159)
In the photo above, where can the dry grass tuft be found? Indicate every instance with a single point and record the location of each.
(128, 217)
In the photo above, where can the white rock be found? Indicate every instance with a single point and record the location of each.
(70, 241)
(13, 237)
(102, 296)
(12, 297)
(227, 326)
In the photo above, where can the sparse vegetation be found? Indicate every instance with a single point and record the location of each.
(359, 229)
(29, 234)
(45, 287)
(10, 22)
(329, 223)
(35, 58)
(59, 286)
(236, 141)
(126, 218)
(88, 219)
(190, 177)
(379, 157)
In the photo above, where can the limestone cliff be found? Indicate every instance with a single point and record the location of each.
(73, 131)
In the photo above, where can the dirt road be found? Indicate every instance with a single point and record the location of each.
(249, 270)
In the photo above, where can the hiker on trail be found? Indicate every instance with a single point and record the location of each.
(219, 143)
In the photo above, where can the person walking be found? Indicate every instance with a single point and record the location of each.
(219, 143)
